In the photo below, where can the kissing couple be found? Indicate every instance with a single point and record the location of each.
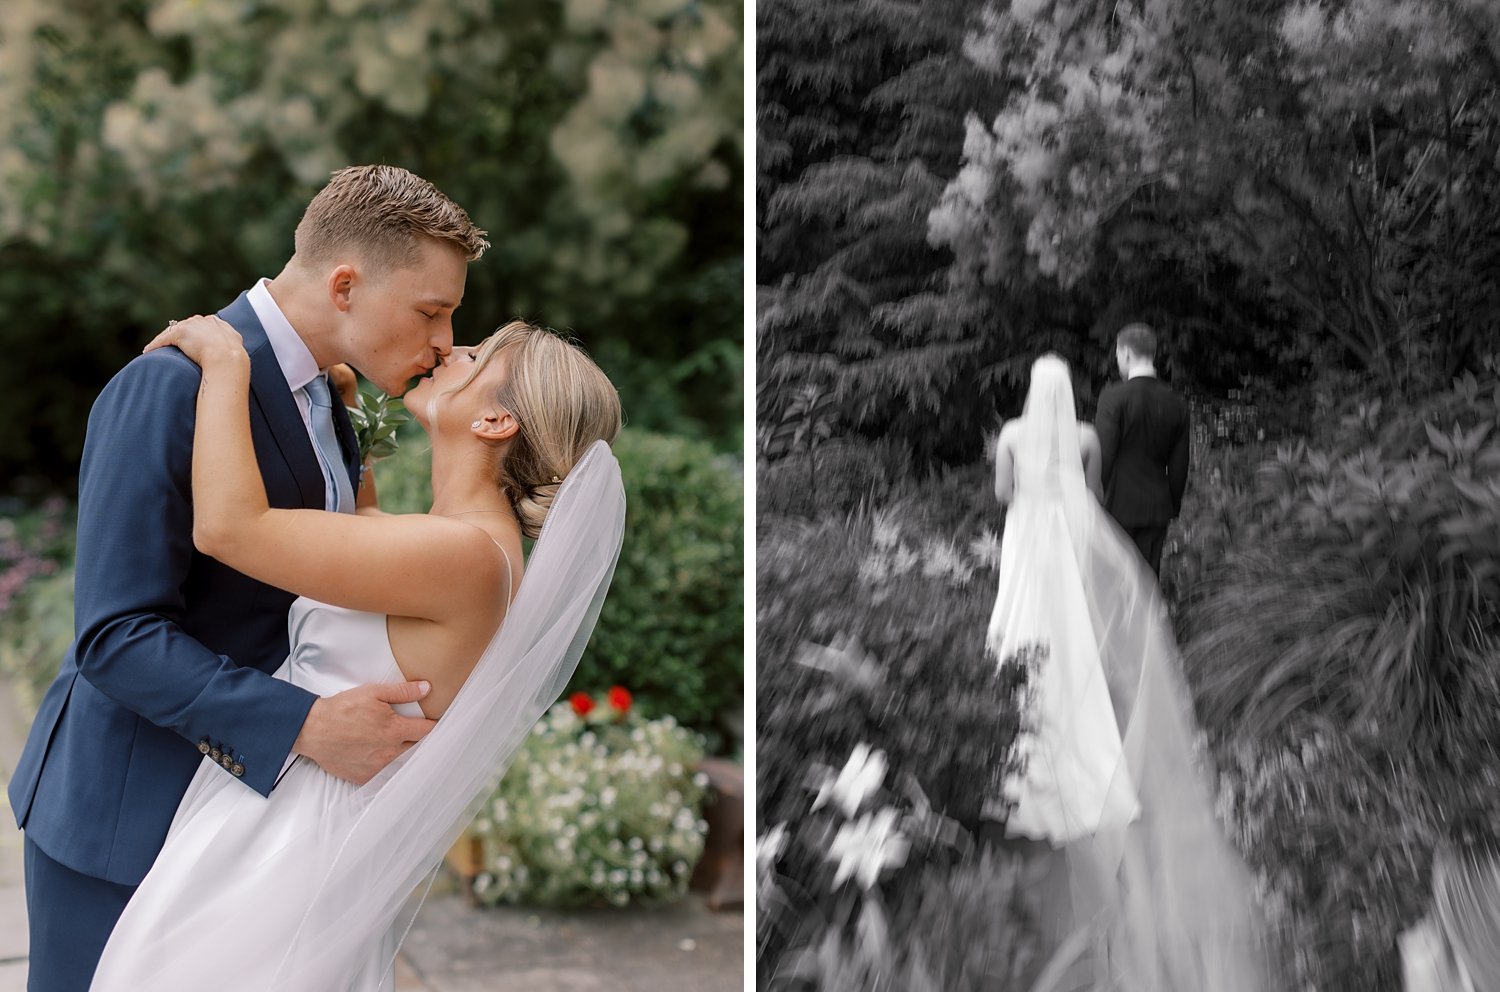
(283, 705)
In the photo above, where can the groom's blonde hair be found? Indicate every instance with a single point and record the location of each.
(381, 213)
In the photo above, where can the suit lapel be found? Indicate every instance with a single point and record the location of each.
(269, 391)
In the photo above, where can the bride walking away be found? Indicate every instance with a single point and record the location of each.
(1111, 775)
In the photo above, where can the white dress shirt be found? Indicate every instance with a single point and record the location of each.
(1147, 370)
(297, 365)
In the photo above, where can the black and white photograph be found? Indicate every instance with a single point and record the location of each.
(372, 496)
(1127, 517)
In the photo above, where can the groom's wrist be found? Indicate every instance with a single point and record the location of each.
(306, 741)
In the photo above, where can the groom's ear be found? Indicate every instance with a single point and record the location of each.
(341, 286)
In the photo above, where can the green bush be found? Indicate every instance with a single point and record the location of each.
(671, 630)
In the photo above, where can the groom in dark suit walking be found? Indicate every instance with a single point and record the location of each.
(1143, 442)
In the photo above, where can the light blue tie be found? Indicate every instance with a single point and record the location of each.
(328, 445)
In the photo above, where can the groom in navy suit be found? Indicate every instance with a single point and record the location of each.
(1143, 445)
(174, 652)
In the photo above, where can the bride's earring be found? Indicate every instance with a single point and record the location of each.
(476, 424)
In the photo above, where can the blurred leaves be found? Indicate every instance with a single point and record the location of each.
(1285, 190)
(155, 156)
(1376, 552)
(869, 631)
(1336, 595)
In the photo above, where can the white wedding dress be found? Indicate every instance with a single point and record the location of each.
(1112, 781)
(207, 873)
(310, 889)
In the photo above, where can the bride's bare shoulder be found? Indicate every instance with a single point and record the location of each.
(1008, 431)
(1088, 438)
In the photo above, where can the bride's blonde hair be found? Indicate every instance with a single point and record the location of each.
(563, 403)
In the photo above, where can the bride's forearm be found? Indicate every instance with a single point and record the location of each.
(229, 496)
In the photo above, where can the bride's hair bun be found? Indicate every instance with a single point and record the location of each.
(534, 505)
(563, 402)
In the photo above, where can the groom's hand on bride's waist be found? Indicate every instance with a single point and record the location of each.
(356, 733)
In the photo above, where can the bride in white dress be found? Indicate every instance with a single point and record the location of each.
(1113, 782)
(305, 890)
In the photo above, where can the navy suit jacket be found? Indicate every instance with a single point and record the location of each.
(173, 651)
(1143, 451)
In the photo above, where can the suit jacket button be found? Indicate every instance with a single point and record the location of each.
(226, 761)
(238, 771)
(203, 746)
(215, 753)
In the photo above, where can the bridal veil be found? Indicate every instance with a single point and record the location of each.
(326, 906)
(355, 878)
(1119, 783)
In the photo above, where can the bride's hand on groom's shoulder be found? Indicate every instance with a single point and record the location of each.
(205, 340)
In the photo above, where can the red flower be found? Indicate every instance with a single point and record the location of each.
(582, 703)
(619, 698)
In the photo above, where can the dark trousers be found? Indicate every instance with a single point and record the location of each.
(1149, 540)
(71, 917)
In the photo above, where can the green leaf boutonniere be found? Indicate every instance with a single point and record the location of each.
(375, 422)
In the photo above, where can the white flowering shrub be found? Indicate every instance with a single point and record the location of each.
(600, 807)
(155, 157)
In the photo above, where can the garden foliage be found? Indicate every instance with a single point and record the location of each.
(36, 597)
(1285, 189)
(1337, 600)
(1335, 595)
(600, 144)
(870, 629)
(600, 807)
(671, 627)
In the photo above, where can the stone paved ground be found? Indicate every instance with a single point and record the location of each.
(454, 947)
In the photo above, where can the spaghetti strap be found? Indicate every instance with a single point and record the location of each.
(510, 572)
(510, 576)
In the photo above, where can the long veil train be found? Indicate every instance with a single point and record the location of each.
(1116, 780)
